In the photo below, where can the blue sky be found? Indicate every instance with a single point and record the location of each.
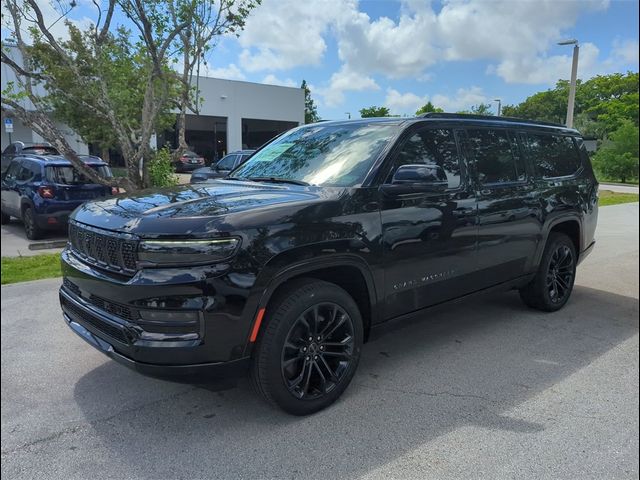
(402, 53)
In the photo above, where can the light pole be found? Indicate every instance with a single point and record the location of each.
(499, 105)
(574, 74)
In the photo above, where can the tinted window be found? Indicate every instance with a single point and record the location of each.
(67, 175)
(24, 174)
(10, 150)
(497, 159)
(227, 163)
(553, 155)
(330, 155)
(431, 147)
(12, 171)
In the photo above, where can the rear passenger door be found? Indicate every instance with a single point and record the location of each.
(509, 226)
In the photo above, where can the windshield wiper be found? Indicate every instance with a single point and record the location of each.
(278, 180)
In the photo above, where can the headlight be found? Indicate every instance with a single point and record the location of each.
(186, 252)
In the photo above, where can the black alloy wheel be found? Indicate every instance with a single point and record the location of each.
(31, 229)
(308, 346)
(318, 351)
(560, 274)
(551, 288)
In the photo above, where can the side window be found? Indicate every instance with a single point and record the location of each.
(24, 174)
(431, 147)
(227, 163)
(12, 171)
(10, 150)
(553, 155)
(497, 157)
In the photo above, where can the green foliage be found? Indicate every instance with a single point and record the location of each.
(607, 197)
(36, 267)
(310, 109)
(161, 169)
(618, 157)
(428, 108)
(374, 112)
(603, 102)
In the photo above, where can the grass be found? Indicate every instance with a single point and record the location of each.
(607, 197)
(23, 269)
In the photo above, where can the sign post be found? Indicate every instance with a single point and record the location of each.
(8, 127)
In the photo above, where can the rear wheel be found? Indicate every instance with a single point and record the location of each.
(309, 348)
(552, 286)
(4, 218)
(31, 229)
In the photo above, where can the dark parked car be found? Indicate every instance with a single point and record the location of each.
(19, 148)
(285, 267)
(43, 190)
(188, 162)
(222, 168)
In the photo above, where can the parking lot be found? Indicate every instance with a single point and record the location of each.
(479, 389)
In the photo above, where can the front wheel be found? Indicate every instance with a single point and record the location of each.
(552, 286)
(309, 348)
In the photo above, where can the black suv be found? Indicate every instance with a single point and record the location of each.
(285, 267)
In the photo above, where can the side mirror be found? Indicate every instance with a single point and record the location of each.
(418, 178)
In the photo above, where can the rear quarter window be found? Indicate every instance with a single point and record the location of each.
(553, 156)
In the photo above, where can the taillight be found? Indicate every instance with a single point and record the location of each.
(184, 159)
(200, 159)
(46, 192)
(115, 190)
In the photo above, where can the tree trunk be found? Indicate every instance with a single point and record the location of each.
(104, 153)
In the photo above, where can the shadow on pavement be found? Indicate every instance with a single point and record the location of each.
(467, 364)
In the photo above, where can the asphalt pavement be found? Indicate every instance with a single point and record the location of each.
(479, 389)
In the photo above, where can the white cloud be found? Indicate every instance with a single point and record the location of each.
(273, 80)
(231, 72)
(548, 70)
(283, 34)
(464, 99)
(345, 80)
(626, 52)
(403, 103)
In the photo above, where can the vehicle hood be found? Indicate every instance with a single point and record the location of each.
(193, 209)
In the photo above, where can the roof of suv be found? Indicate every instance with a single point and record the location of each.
(59, 160)
(452, 117)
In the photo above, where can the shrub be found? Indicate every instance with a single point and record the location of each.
(161, 169)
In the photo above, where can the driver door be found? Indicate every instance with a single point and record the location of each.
(429, 238)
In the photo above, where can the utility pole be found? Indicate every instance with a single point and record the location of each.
(499, 106)
(574, 74)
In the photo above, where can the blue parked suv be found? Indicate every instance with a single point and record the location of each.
(43, 190)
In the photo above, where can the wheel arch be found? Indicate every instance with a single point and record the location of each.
(569, 224)
(347, 271)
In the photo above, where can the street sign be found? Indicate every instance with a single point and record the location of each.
(8, 125)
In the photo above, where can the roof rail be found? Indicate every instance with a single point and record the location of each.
(470, 116)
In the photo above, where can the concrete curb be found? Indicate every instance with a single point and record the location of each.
(47, 245)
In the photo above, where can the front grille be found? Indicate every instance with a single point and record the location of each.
(79, 314)
(109, 250)
(116, 309)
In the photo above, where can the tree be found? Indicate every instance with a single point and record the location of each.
(128, 106)
(374, 112)
(618, 158)
(207, 21)
(482, 109)
(310, 109)
(428, 108)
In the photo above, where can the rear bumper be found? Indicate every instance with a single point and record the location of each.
(53, 220)
(188, 167)
(94, 337)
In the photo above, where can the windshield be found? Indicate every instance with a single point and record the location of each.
(67, 175)
(329, 155)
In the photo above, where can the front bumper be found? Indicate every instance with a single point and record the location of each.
(95, 336)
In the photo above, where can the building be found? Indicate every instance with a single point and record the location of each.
(233, 115)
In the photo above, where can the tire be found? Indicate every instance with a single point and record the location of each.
(4, 218)
(294, 352)
(31, 228)
(551, 288)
